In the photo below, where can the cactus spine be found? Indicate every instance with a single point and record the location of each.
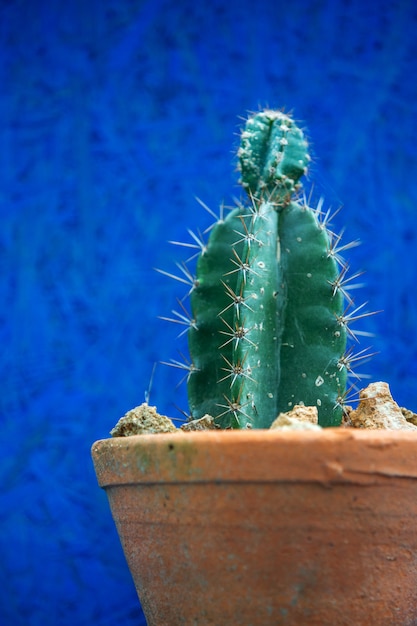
(268, 329)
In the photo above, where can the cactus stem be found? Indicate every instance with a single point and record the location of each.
(271, 287)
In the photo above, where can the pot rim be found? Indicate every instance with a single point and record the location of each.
(330, 456)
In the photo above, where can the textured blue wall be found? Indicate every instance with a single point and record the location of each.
(114, 116)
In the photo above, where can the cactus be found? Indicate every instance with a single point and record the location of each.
(268, 326)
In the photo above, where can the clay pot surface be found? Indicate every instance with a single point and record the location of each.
(252, 528)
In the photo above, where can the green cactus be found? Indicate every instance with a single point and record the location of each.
(268, 327)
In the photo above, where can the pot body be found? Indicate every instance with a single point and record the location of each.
(266, 527)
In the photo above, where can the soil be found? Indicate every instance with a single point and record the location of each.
(376, 410)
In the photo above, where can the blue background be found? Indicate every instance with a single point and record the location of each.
(114, 116)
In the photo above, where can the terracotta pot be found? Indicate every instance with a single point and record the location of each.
(259, 527)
